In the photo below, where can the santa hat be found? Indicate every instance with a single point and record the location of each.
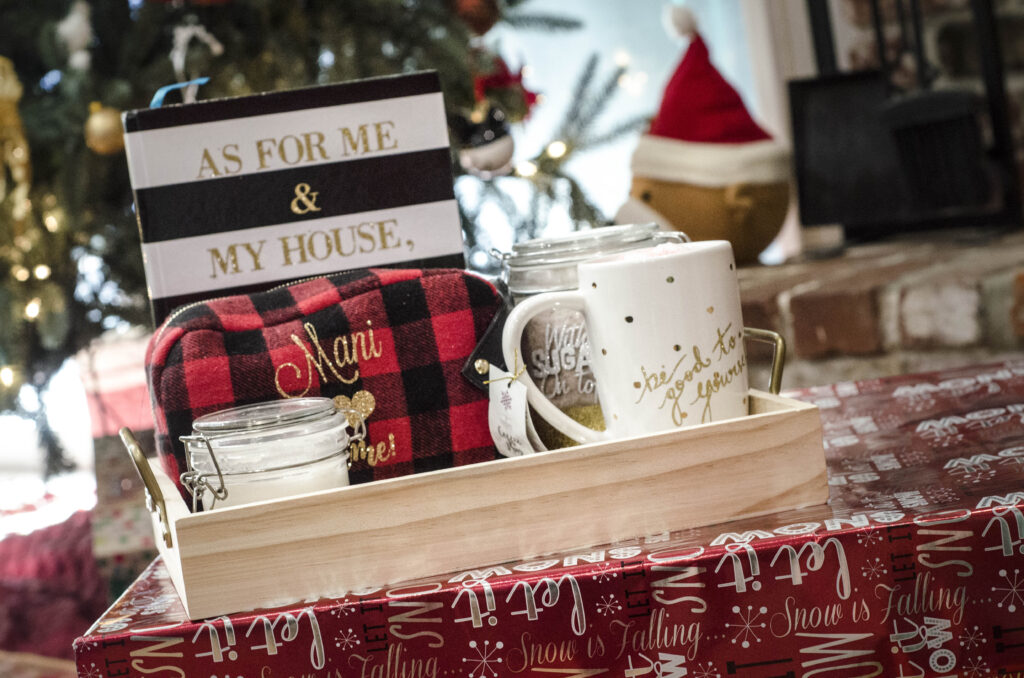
(703, 133)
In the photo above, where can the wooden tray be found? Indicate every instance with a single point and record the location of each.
(275, 552)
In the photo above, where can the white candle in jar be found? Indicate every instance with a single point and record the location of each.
(268, 451)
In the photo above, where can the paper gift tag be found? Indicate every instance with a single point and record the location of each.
(507, 414)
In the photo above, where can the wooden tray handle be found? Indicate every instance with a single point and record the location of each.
(154, 495)
(778, 354)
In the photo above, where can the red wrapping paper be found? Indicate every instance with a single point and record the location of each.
(914, 568)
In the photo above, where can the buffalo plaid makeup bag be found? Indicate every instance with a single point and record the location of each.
(400, 336)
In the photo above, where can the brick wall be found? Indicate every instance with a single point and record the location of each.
(908, 305)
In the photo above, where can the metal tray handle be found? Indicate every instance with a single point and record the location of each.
(154, 495)
(778, 354)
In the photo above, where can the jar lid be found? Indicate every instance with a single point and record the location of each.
(575, 247)
(267, 435)
(549, 264)
(264, 415)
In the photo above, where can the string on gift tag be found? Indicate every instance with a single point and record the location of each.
(517, 371)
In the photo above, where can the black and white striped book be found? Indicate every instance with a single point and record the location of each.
(238, 195)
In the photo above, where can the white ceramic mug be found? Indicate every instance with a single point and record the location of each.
(666, 338)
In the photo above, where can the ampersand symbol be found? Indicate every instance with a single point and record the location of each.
(304, 200)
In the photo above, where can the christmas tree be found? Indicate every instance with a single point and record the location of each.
(70, 263)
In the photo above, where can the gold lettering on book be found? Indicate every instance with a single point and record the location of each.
(346, 352)
(227, 261)
(341, 241)
(208, 167)
(304, 201)
(299, 148)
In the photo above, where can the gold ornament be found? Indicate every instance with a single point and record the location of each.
(104, 133)
(14, 152)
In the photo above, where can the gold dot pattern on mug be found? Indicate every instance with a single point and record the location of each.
(636, 384)
(629, 318)
(711, 309)
(604, 351)
(594, 285)
(670, 279)
(677, 347)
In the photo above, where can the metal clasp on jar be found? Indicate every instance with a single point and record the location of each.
(198, 483)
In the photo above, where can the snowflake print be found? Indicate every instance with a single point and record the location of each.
(873, 569)
(943, 495)
(881, 502)
(975, 477)
(146, 604)
(706, 671)
(608, 605)
(1014, 590)
(486, 656)
(749, 623)
(605, 572)
(869, 537)
(343, 608)
(972, 638)
(856, 466)
(914, 457)
(346, 640)
(975, 668)
(91, 672)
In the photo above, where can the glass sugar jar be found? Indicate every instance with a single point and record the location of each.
(555, 348)
(269, 450)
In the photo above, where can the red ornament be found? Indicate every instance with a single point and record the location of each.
(502, 78)
(479, 15)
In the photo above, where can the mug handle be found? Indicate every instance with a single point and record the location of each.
(511, 339)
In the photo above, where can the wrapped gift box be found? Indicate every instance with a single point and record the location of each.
(113, 375)
(915, 568)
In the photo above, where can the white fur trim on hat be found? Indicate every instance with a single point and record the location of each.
(706, 164)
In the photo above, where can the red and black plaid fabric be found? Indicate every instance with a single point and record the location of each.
(401, 335)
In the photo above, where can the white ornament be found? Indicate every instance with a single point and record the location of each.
(183, 36)
(490, 160)
(75, 32)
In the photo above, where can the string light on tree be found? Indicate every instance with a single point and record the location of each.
(6, 376)
(633, 82)
(556, 149)
(526, 169)
(20, 273)
(52, 221)
(32, 308)
(42, 272)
